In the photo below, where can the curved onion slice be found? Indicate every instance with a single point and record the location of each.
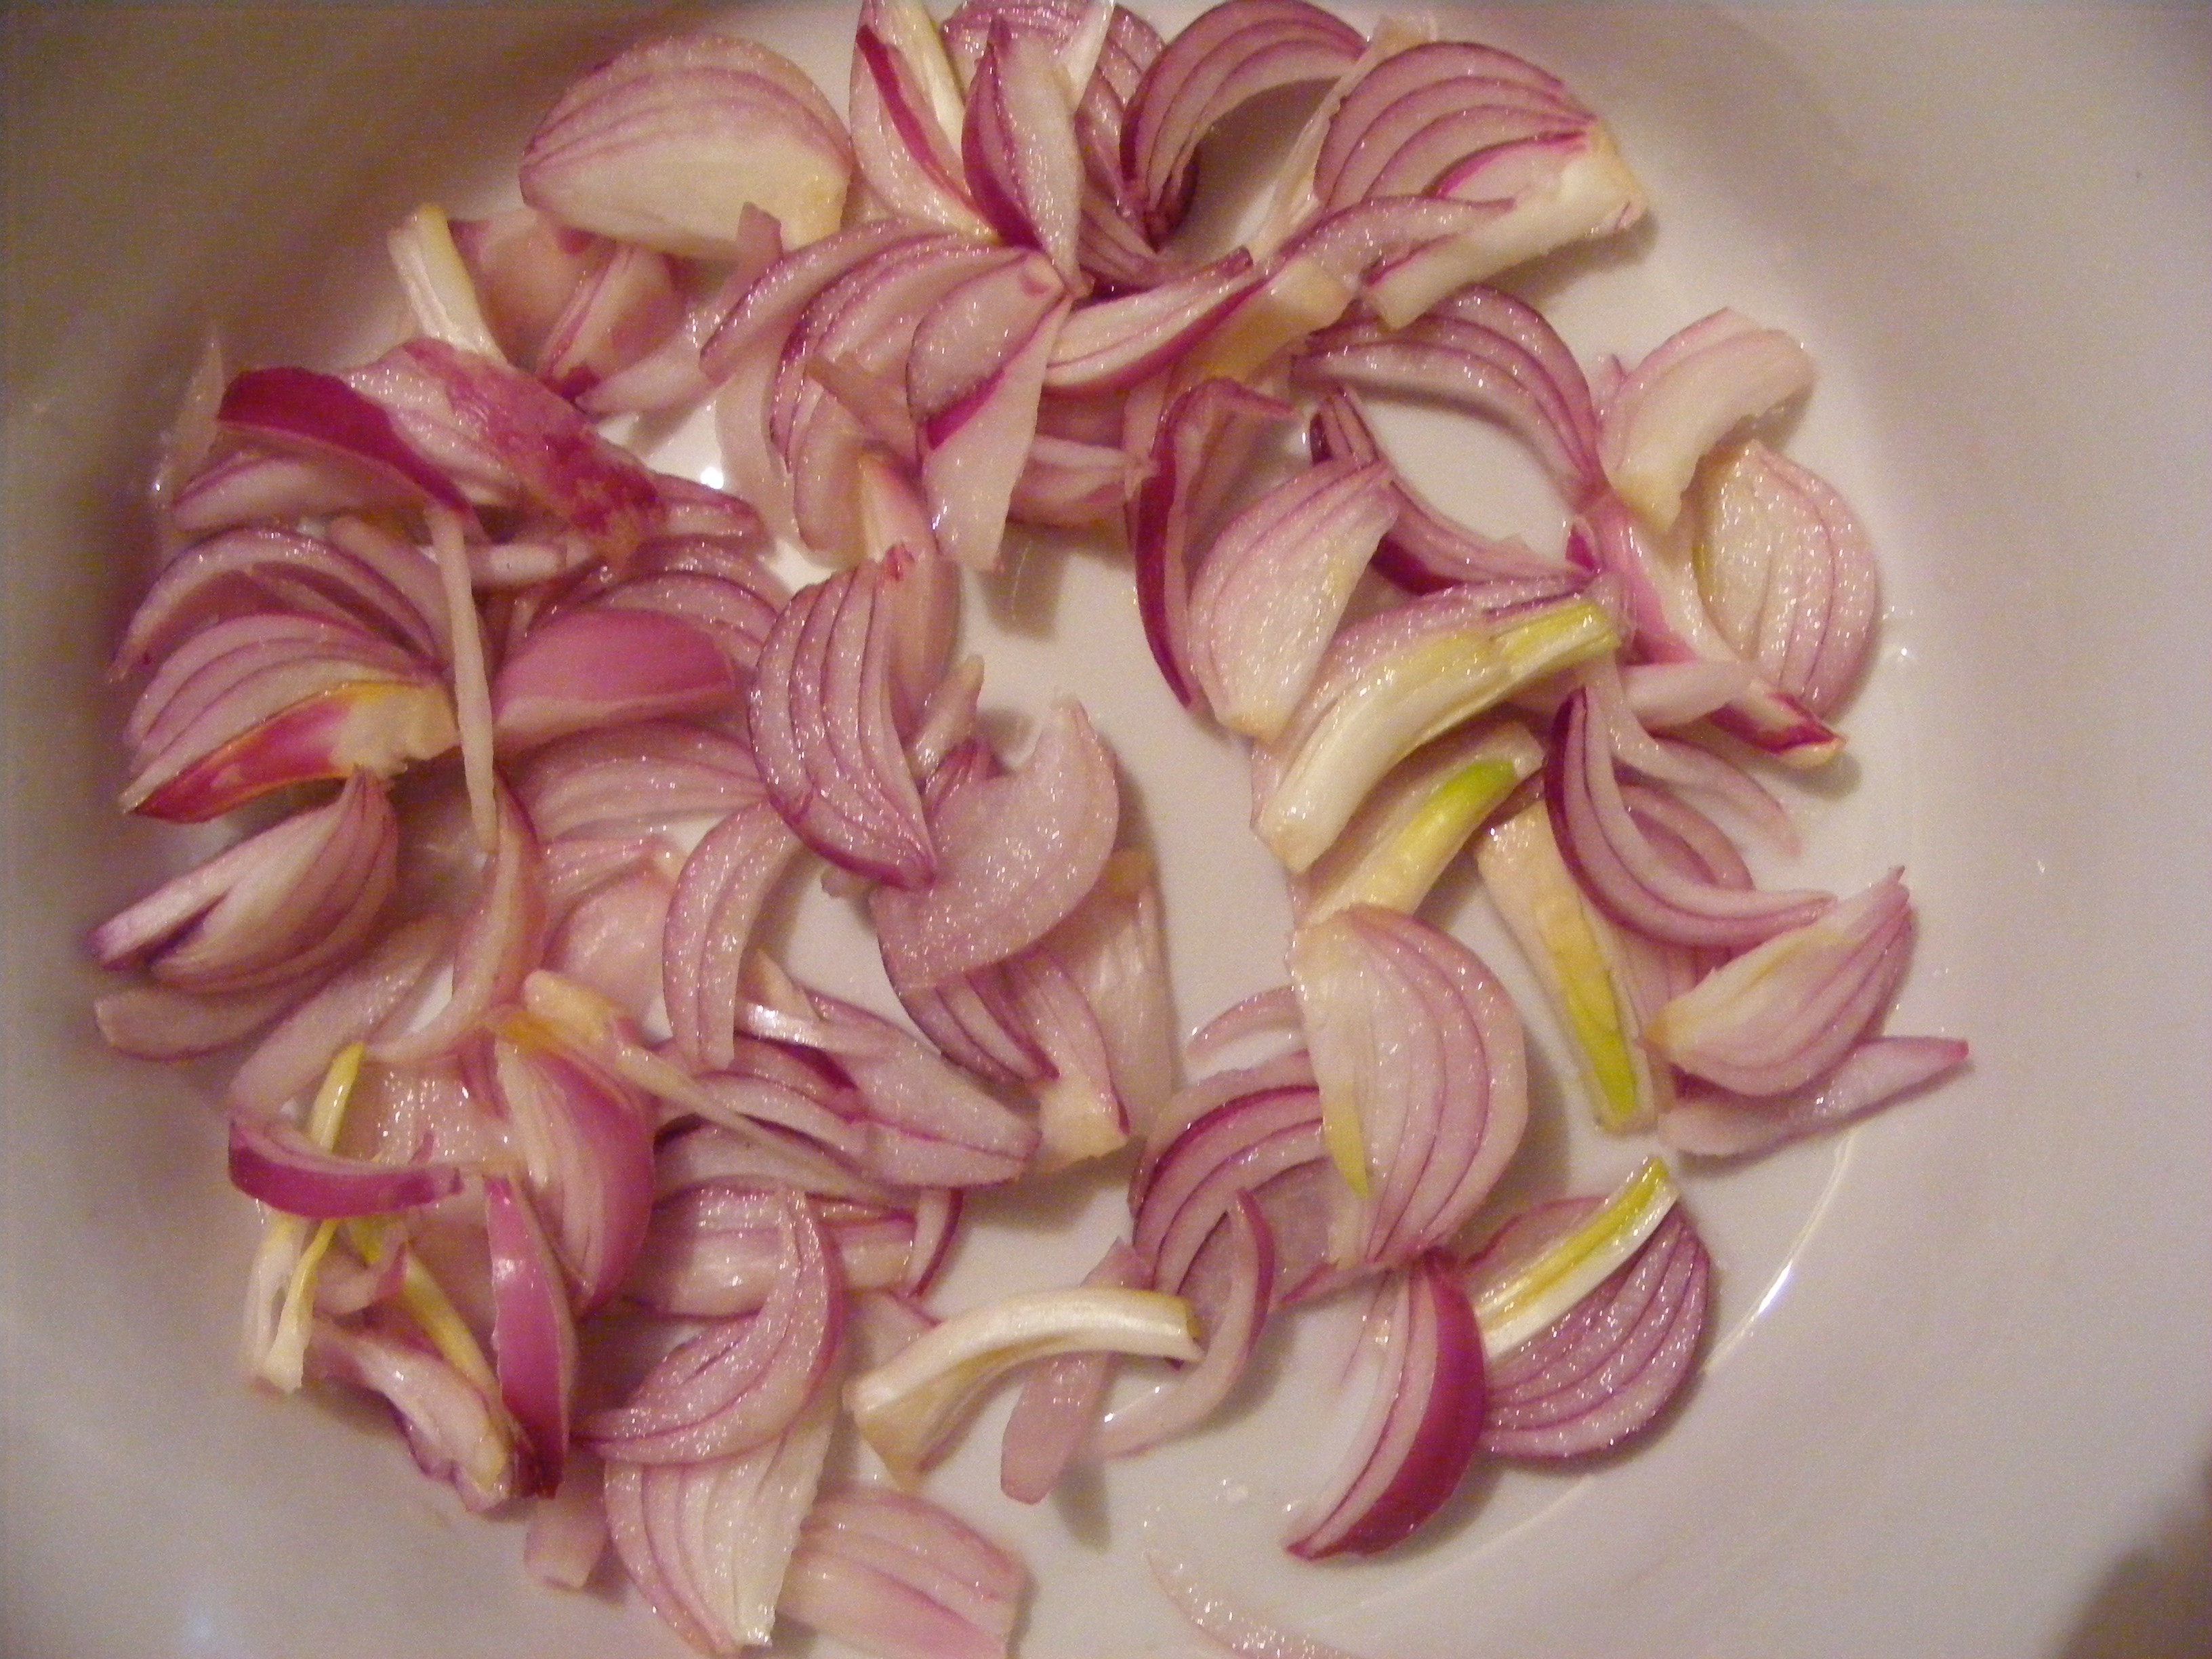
(1016, 854)
(647, 772)
(1683, 399)
(902, 146)
(1230, 1149)
(709, 1543)
(1389, 685)
(1578, 958)
(456, 1432)
(1538, 1267)
(738, 1384)
(670, 142)
(1423, 1076)
(714, 1250)
(1422, 1425)
(1787, 572)
(299, 408)
(895, 1575)
(607, 666)
(1274, 586)
(1019, 149)
(533, 1330)
(299, 896)
(585, 1138)
(1874, 1074)
(717, 897)
(1112, 345)
(1781, 1014)
(1619, 866)
(905, 1407)
(151, 1022)
(273, 1162)
(1058, 1404)
(824, 728)
(349, 1009)
(1227, 56)
(619, 313)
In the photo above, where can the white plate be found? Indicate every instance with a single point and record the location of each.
(1961, 1401)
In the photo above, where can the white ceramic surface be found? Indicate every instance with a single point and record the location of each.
(1962, 1400)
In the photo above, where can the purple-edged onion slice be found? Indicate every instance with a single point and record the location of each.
(895, 1575)
(533, 1332)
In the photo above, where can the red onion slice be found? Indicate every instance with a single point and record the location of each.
(1114, 947)
(1619, 866)
(1226, 57)
(585, 1138)
(607, 666)
(301, 896)
(273, 1162)
(299, 408)
(532, 1332)
(567, 1533)
(714, 1250)
(350, 1008)
(1684, 398)
(1607, 1368)
(718, 898)
(670, 142)
(649, 772)
(824, 728)
(1232, 1148)
(1111, 345)
(151, 1022)
(456, 1432)
(1204, 442)
(526, 267)
(1420, 1436)
(1874, 1074)
(903, 150)
(1020, 151)
(1274, 586)
(708, 1544)
(1423, 1077)
(1779, 1015)
(895, 1575)
(1016, 854)
(618, 314)
(738, 1384)
(1385, 102)
(1787, 572)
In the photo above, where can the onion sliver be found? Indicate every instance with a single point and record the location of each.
(717, 897)
(1059, 1401)
(533, 1330)
(1420, 1431)
(1423, 1075)
(607, 666)
(272, 1161)
(455, 1430)
(895, 1575)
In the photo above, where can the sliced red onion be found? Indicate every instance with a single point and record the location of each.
(738, 1384)
(1422, 1429)
(456, 1432)
(1875, 1072)
(441, 294)
(1018, 148)
(1231, 1336)
(1607, 1368)
(1112, 345)
(265, 569)
(620, 312)
(1687, 395)
(761, 1157)
(975, 448)
(350, 1008)
(1232, 1148)
(585, 1138)
(1204, 442)
(1779, 1015)
(1393, 681)
(1080, 1115)
(1399, 100)
(743, 354)
(1665, 695)
(607, 666)
(718, 898)
(1274, 586)
(823, 727)
(904, 149)
(929, 1124)
(649, 773)
(1487, 352)
(714, 1250)
(255, 485)
(1579, 959)
(976, 1022)
(734, 615)
(1273, 1012)
(298, 409)
(301, 896)
(1114, 947)
(526, 267)
(533, 1330)
(1423, 1075)
(794, 1087)
(273, 1162)
(1227, 56)
(670, 142)
(895, 1575)
(1425, 550)
(502, 934)
(1787, 573)
(919, 601)
(151, 1022)
(1059, 1401)
(708, 1544)
(1619, 866)
(1016, 854)
(611, 939)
